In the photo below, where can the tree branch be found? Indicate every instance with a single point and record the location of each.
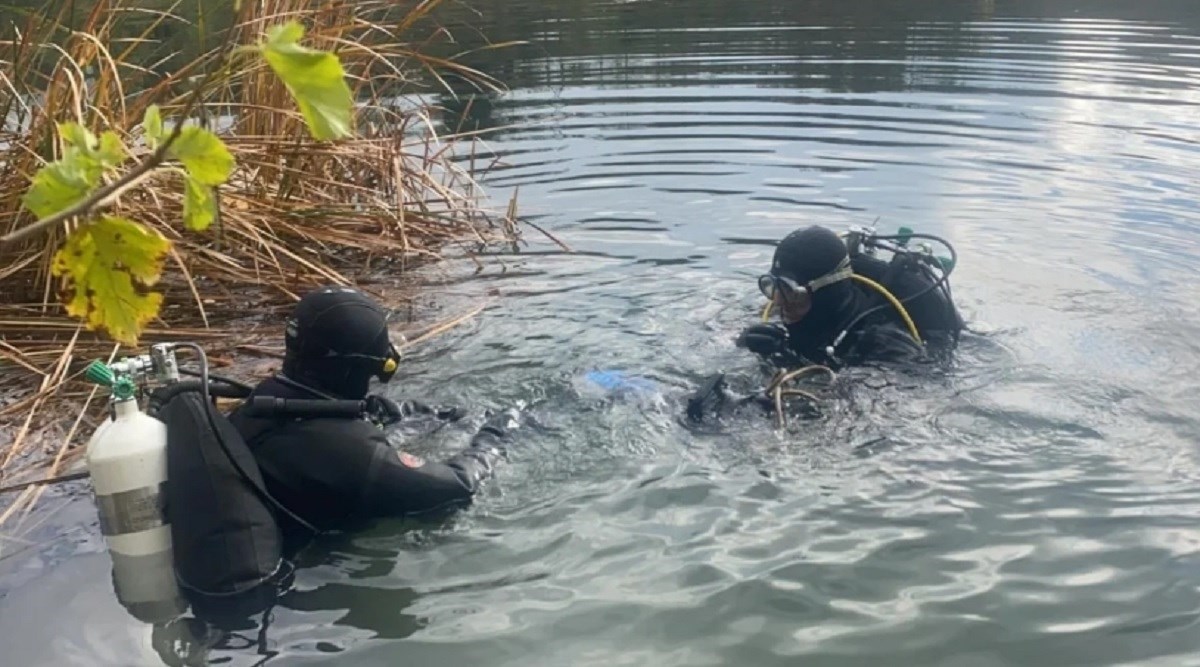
(98, 197)
(103, 196)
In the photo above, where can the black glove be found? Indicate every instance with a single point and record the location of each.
(707, 400)
(385, 412)
(764, 339)
(500, 425)
(446, 413)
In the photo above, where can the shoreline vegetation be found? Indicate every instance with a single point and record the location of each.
(295, 212)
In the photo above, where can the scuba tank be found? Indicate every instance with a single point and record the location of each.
(127, 460)
(182, 503)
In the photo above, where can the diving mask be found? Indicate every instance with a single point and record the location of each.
(792, 292)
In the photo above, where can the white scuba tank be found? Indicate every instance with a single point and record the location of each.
(127, 459)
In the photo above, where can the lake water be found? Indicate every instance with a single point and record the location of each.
(1039, 505)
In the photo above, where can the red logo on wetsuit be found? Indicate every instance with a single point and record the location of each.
(410, 460)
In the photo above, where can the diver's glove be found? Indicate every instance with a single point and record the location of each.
(708, 398)
(385, 411)
(498, 428)
(382, 410)
(446, 413)
(764, 339)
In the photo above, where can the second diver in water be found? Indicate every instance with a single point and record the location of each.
(841, 305)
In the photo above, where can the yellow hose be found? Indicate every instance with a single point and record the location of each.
(777, 393)
(908, 321)
(912, 328)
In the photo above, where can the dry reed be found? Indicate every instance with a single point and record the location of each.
(296, 212)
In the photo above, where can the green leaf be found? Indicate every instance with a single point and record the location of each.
(204, 155)
(153, 126)
(64, 182)
(199, 205)
(109, 265)
(77, 136)
(315, 79)
(286, 33)
(59, 185)
(112, 150)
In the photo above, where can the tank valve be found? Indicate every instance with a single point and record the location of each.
(99, 373)
(122, 387)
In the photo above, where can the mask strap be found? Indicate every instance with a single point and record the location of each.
(841, 272)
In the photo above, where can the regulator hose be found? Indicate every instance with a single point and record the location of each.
(220, 378)
(938, 283)
(163, 395)
(945, 272)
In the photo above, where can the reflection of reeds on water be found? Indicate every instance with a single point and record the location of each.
(295, 213)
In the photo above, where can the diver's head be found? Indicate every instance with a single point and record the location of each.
(809, 273)
(336, 340)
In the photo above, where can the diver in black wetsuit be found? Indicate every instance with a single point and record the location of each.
(330, 470)
(830, 318)
(832, 297)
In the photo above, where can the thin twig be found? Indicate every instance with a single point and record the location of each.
(48, 480)
(443, 327)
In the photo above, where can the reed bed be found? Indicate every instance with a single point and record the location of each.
(295, 214)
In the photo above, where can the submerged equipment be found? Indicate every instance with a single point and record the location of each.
(620, 381)
(713, 395)
(777, 389)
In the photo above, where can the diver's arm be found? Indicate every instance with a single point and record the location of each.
(886, 343)
(402, 484)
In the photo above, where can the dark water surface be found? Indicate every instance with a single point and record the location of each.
(1038, 506)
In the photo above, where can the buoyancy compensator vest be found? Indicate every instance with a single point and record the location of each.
(228, 548)
(931, 310)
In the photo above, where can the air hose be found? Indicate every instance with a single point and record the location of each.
(946, 270)
(896, 303)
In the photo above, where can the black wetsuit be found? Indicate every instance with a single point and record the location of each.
(848, 323)
(882, 335)
(329, 471)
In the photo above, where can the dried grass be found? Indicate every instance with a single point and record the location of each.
(295, 214)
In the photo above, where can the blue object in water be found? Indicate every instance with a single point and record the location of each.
(617, 380)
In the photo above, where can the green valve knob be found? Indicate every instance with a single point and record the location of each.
(99, 373)
(905, 233)
(123, 389)
(946, 262)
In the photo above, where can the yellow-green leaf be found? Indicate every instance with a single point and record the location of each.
(199, 205)
(153, 126)
(285, 33)
(109, 265)
(75, 135)
(315, 79)
(204, 155)
(59, 185)
(112, 150)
